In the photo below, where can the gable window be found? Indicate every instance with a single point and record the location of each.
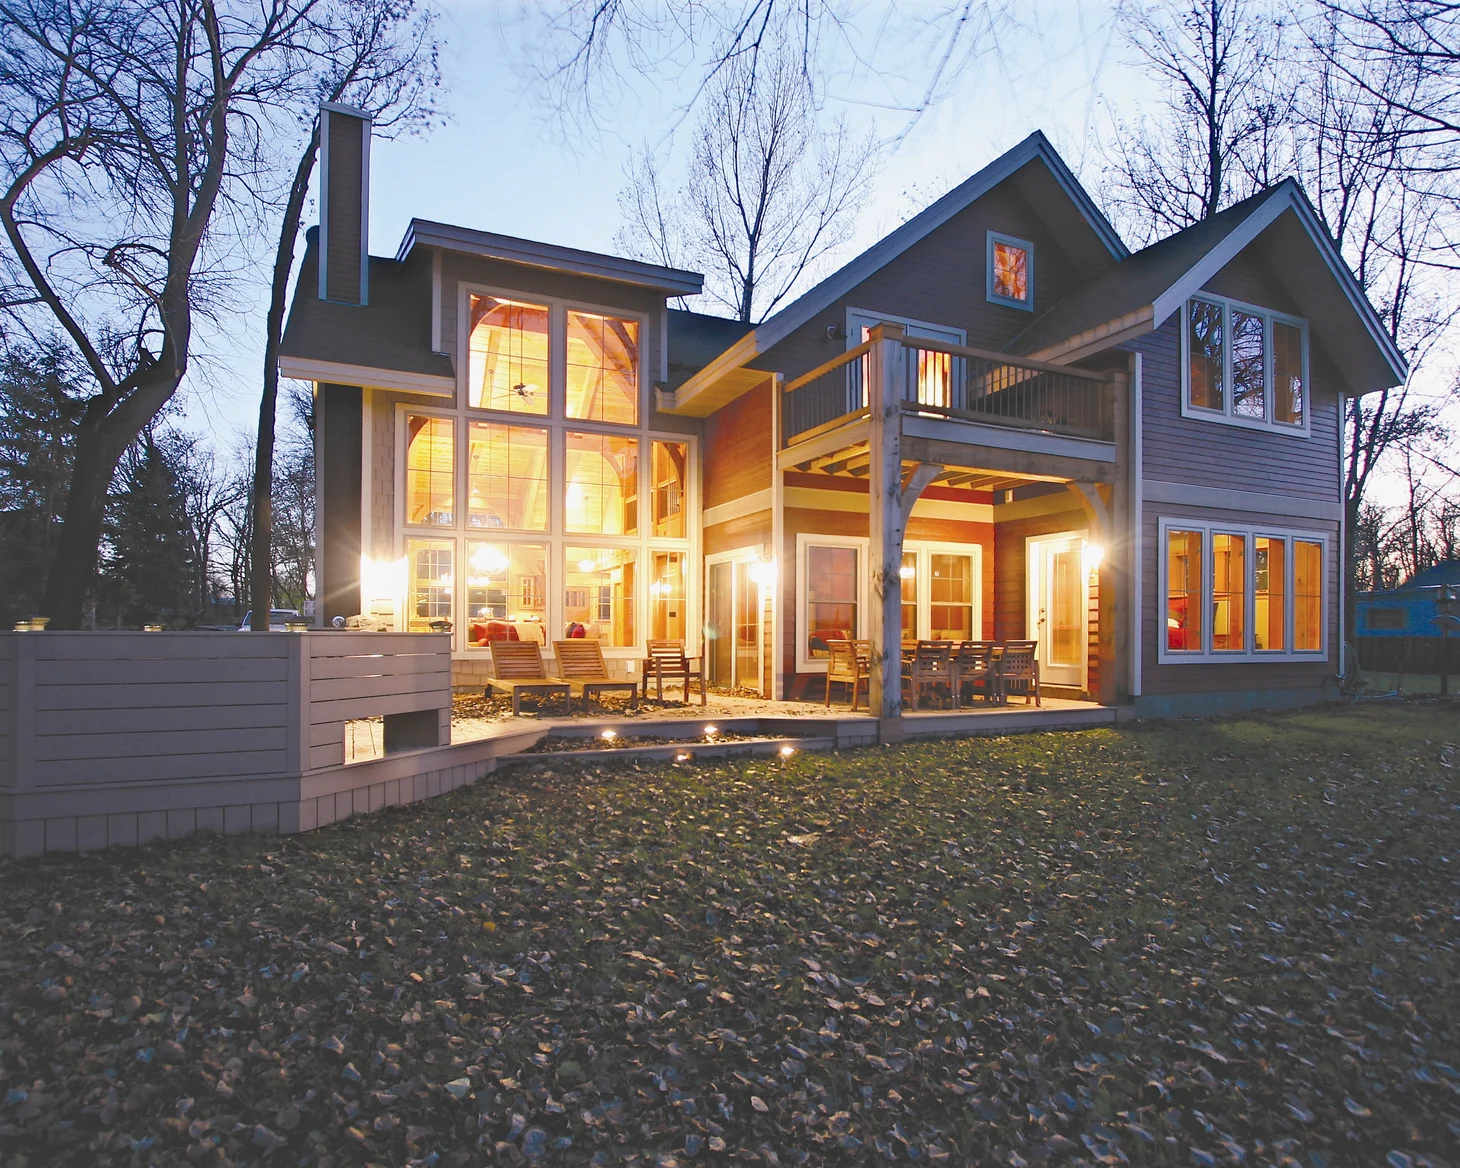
(507, 357)
(1244, 364)
(1276, 577)
(603, 368)
(1010, 271)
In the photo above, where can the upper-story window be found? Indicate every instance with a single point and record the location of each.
(1010, 271)
(507, 365)
(603, 368)
(1244, 364)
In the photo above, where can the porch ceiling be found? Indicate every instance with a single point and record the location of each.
(854, 462)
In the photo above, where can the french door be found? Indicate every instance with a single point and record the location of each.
(733, 633)
(1059, 608)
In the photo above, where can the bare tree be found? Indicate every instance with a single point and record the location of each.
(124, 126)
(768, 196)
(380, 56)
(1219, 123)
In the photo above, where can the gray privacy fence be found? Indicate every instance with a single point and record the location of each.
(119, 738)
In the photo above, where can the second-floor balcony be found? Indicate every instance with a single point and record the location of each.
(958, 384)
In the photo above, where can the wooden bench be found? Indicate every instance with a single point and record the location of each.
(667, 659)
(517, 668)
(582, 667)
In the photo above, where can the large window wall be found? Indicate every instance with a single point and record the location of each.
(542, 506)
(1241, 592)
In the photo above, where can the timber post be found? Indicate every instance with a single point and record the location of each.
(886, 376)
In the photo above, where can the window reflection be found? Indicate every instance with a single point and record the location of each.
(1249, 377)
(1206, 343)
(508, 356)
(1287, 373)
(1011, 271)
(603, 368)
(831, 596)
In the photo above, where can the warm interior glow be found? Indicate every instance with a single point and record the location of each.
(508, 356)
(603, 368)
(381, 580)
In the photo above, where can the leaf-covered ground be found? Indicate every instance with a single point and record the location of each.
(1212, 943)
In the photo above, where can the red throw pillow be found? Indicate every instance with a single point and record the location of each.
(478, 634)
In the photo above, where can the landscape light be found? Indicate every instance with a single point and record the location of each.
(787, 751)
(710, 731)
(609, 735)
(681, 757)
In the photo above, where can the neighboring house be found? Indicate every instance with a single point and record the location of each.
(1133, 459)
(1399, 628)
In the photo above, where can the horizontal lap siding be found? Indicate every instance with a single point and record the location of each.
(1217, 676)
(749, 531)
(737, 459)
(1215, 454)
(1011, 566)
(150, 706)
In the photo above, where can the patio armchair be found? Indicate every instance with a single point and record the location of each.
(931, 666)
(848, 665)
(975, 667)
(517, 668)
(582, 667)
(1019, 670)
(667, 659)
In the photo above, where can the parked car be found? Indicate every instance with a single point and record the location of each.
(278, 619)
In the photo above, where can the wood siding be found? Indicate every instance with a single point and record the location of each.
(344, 226)
(737, 448)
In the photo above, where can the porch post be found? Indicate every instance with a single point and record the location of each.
(884, 409)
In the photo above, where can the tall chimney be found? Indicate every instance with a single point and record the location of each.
(344, 204)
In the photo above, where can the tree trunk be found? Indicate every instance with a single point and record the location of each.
(261, 568)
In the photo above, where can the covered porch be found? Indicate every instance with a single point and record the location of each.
(981, 502)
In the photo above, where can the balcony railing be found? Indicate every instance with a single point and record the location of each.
(957, 382)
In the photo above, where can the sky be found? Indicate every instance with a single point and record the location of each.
(506, 161)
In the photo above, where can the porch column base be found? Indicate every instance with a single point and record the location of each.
(891, 731)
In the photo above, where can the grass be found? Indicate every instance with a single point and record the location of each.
(1212, 942)
(1409, 684)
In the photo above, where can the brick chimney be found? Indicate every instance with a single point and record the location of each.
(344, 204)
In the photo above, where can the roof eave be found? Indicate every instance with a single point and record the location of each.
(488, 245)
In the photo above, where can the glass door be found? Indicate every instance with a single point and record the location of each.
(1058, 610)
(733, 632)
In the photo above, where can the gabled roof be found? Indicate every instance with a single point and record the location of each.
(696, 339)
(489, 245)
(1036, 147)
(1142, 292)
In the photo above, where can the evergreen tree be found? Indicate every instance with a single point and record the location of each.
(149, 568)
(40, 406)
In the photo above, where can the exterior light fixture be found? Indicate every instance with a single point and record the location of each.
(1092, 554)
(907, 572)
(763, 573)
(787, 751)
(711, 731)
(609, 735)
(682, 756)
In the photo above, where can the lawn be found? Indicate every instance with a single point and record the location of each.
(1202, 942)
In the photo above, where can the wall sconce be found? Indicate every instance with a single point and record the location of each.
(1091, 555)
(763, 573)
(907, 572)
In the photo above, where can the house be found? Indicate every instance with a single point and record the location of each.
(1400, 629)
(997, 422)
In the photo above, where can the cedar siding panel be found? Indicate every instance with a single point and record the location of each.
(737, 459)
(1011, 566)
(942, 279)
(1215, 454)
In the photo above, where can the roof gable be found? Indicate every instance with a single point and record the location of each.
(1051, 189)
(1142, 292)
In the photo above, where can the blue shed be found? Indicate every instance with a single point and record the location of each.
(1406, 611)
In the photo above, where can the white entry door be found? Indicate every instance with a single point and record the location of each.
(1059, 608)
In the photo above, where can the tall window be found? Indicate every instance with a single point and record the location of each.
(1183, 591)
(909, 583)
(1262, 596)
(428, 563)
(831, 595)
(1244, 364)
(1229, 592)
(603, 368)
(430, 471)
(507, 477)
(669, 467)
(1269, 593)
(951, 587)
(1010, 271)
(507, 356)
(1307, 595)
(603, 484)
(598, 594)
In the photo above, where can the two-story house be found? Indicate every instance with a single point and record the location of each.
(996, 422)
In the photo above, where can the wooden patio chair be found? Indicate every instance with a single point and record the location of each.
(847, 664)
(667, 659)
(1019, 671)
(930, 667)
(517, 669)
(582, 667)
(975, 665)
